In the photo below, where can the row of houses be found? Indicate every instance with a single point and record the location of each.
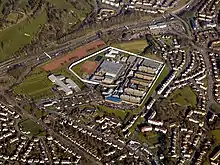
(214, 58)
(148, 6)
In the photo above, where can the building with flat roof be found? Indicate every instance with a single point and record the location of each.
(73, 85)
(140, 81)
(60, 83)
(143, 75)
(151, 64)
(110, 68)
(128, 75)
(216, 156)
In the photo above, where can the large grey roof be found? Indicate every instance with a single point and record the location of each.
(111, 67)
(150, 63)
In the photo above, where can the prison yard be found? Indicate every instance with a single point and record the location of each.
(124, 76)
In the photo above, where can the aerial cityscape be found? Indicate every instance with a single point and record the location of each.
(114, 82)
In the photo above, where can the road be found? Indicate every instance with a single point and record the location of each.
(72, 44)
(211, 99)
(24, 114)
(187, 7)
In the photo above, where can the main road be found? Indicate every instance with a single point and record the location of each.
(72, 44)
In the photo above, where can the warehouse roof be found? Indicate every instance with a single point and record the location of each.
(111, 67)
(151, 64)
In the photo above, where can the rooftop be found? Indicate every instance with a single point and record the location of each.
(110, 67)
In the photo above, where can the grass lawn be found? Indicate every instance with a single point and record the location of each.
(215, 108)
(65, 72)
(12, 39)
(184, 97)
(34, 128)
(35, 86)
(216, 133)
(153, 56)
(137, 46)
(117, 112)
(12, 17)
(38, 86)
(78, 69)
(141, 137)
(150, 138)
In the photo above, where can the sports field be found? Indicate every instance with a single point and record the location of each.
(85, 68)
(89, 67)
(37, 85)
(79, 53)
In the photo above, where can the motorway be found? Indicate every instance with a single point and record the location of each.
(73, 44)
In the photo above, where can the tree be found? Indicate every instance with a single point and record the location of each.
(2, 45)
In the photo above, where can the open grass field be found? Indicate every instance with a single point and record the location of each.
(83, 6)
(184, 97)
(38, 86)
(117, 112)
(137, 46)
(34, 128)
(215, 108)
(14, 38)
(216, 134)
(35, 86)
